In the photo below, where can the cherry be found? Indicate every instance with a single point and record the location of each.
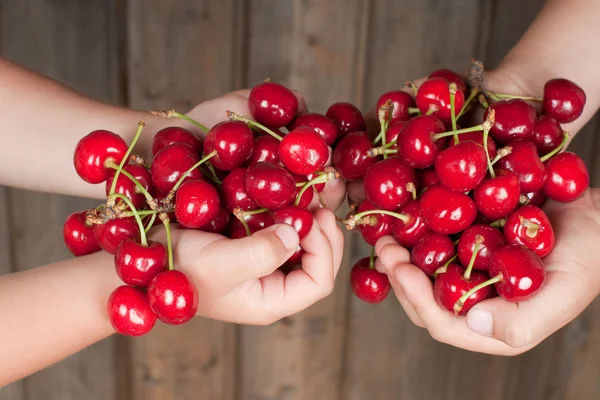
(175, 134)
(320, 123)
(234, 193)
(416, 146)
(272, 104)
(297, 217)
(375, 226)
(303, 151)
(293, 262)
(451, 285)
(389, 184)
(529, 226)
(427, 178)
(137, 264)
(269, 185)
(78, 235)
(308, 194)
(515, 119)
(525, 163)
(233, 143)
(318, 186)
(409, 233)
(350, 156)
(563, 100)
(433, 97)
(110, 234)
(255, 222)
(196, 204)
(392, 132)
(367, 283)
(401, 102)
(266, 148)
(568, 177)
(172, 162)
(126, 187)
(445, 211)
(347, 118)
(173, 297)
(450, 76)
(92, 153)
(431, 252)
(497, 197)
(547, 134)
(518, 271)
(537, 198)
(462, 167)
(477, 137)
(129, 311)
(220, 223)
(492, 239)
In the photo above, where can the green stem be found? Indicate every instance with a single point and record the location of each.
(478, 241)
(193, 121)
(403, 217)
(113, 187)
(254, 212)
(501, 96)
(150, 223)
(486, 133)
(464, 108)
(372, 259)
(128, 214)
(383, 114)
(329, 176)
(193, 167)
(498, 223)
(557, 148)
(137, 183)
(475, 128)
(443, 268)
(391, 144)
(136, 215)
(461, 302)
(236, 117)
(453, 109)
(414, 110)
(166, 222)
(211, 168)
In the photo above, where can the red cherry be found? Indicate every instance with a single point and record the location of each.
(110, 234)
(303, 151)
(434, 93)
(376, 226)
(347, 118)
(492, 239)
(136, 264)
(515, 119)
(537, 198)
(427, 178)
(450, 76)
(321, 124)
(93, 151)
(175, 134)
(445, 211)
(219, 224)
(294, 262)
(255, 222)
(451, 285)
(196, 204)
(350, 156)
(129, 311)
(392, 133)
(126, 187)
(79, 235)
(266, 148)
(525, 163)
(462, 167)
(401, 102)
(171, 163)
(297, 217)
(318, 186)
(272, 104)
(409, 233)
(477, 137)
(431, 252)
(521, 272)
(568, 177)
(547, 134)
(563, 100)
(529, 226)
(233, 142)
(269, 185)
(173, 297)
(388, 183)
(416, 146)
(368, 284)
(497, 197)
(309, 193)
(234, 193)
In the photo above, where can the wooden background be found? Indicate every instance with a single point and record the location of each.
(156, 54)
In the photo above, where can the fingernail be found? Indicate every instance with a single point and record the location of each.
(480, 321)
(288, 236)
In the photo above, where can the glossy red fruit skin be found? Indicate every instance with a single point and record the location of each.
(427, 178)
(297, 217)
(386, 184)
(462, 167)
(79, 236)
(416, 146)
(234, 193)
(129, 311)
(392, 133)
(450, 76)
(196, 204)
(350, 156)
(547, 134)
(173, 297)
(445, 211)
(272, 104)
(515, 232)
(525, 163)
(303, 151)
(269, 185)
(381, 224)
(319, 186)
(255, 222)
(568, 177)
(110, 235)
(431, 252)
(320, 123)
(136, 265)
(523, 272)
(171, 163)
(563, 100)
(175, 134)
(436, 92)
(409, 233)
(220, 223)
(497, 197)
(492, 239)
(346, 117)
(369, 285)
(93, 150)
(266, 148)
(537, 198)
(401, 101)
(515, 119)
(309, 193)
(294, 262)
(126, 187)
(476, 137)
(451, 285)
(233, 142)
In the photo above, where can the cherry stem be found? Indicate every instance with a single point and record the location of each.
(478, 241)
(531, 228)
(465, 107)
(211, 168)
(136, 215)
(354, 220)
(113, 187)
(432, 109)
(128, 214)
(475, 128)
(411, 188)
(412, 86)
(490, 164)
(372, 259)
(328, 176)
(138, 185)
(192, 168)
(503, 152)
(236, 117)
(164, 217)
(173, 113)
(482, 101)
(383, 114)
(461, 302)
(503, 96)
(150, 223)
(443, 268)
(240, 214)
(524, 200)
(558, 148)
(498, 223)
(452, 89)
(414, 110)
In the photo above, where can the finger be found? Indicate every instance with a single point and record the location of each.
(326, 220)
(334, 192)
(302, 108)
(390, 253)
(408, 308)
(355, 191)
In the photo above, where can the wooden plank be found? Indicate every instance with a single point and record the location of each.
(181, 53)
(67, 40)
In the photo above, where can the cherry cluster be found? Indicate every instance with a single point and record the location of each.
(462, 189)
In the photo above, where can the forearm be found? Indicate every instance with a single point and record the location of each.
(51, 312)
